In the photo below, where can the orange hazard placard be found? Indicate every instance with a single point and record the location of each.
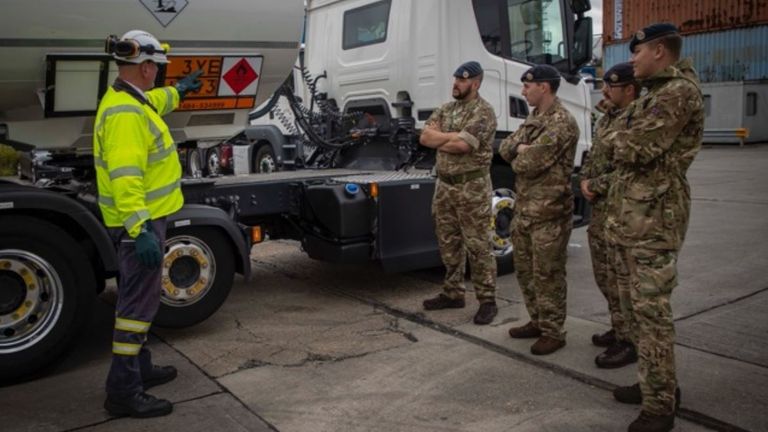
(196, 104)
(224, 86)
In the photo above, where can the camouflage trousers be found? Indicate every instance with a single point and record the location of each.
(646, 278)
(462, 215)
(540, 251)
(603, 255)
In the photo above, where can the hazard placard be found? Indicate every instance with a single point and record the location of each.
(229, 82)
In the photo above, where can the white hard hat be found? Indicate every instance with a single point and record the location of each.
(138, 46)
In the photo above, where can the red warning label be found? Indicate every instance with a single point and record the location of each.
(240, 76)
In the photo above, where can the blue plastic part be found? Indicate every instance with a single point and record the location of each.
(351, 188)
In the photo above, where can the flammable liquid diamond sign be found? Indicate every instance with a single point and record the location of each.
(241, 76)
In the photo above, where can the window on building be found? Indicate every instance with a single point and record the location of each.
(751, 103)
(366, 25)
(707, 105)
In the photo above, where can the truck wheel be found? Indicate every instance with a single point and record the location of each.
(46, 295)
(502, 212)
(194, 163)
(212, 162)
(198, 270)
(264, 160)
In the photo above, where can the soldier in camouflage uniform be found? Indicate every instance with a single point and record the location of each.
(656, 139)
(619, 90)
(541, 152)
(462, 133)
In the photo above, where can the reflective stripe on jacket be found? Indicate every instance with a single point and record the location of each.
(137, 167)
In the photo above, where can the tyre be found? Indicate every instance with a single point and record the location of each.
(47, 293)
(264, 160)
(212, 162)
(198, 270)
(194, 163)
(502, 211)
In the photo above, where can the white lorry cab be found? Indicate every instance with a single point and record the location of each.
(379, 68)
(397, 57)
(391, 63)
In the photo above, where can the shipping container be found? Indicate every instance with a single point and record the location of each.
(731, 55)
(733, 68)
(622, 18)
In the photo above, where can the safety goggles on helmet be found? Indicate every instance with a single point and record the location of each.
(132, 51)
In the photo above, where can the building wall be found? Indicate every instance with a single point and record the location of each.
(757, 123)
(690, 16)
(725, 105)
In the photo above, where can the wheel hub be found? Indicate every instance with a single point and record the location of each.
(184, 272)
(30, 299)
(503, 210)
(267, 164)
(188, 271)
(13, 293)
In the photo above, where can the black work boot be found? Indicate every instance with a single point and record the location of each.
(486, 313)
(604, 340)
(159, 375)
(617, 355)
(648, 422)
(139, 405)
(527, 331)
(633, 395)
(442, 301)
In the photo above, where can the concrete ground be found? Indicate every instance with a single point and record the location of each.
(310, 346)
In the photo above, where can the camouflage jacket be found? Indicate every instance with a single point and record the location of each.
(475, 121)
(599, 165)
(655, 142)
(543, 172)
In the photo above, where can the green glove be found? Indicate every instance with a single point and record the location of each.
(148, 249)
(189, 83)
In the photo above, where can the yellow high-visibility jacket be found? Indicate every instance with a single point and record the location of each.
(137, 167)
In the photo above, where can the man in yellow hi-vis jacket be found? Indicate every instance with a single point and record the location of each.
(138, 175)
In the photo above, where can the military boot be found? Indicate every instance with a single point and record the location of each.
(546, 345)
(139, 405)
(648, 422)
(486, 313)
(442, 301)
(617, 355)
(527, 331)
(633, 395)
(604, 340)
(159, 375)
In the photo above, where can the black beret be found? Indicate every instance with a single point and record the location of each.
(620, 73)
(541, 73)
(468, 70)
(653, 31)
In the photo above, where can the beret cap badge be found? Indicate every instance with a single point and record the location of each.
(529, 76)
(640, 35)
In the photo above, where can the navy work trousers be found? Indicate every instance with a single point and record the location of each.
(138, 300)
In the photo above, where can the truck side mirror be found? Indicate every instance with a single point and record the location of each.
(582, 43)
(580, 6)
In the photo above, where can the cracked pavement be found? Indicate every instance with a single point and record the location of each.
(312, 346)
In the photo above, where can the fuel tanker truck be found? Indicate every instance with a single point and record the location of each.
(55, 255)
